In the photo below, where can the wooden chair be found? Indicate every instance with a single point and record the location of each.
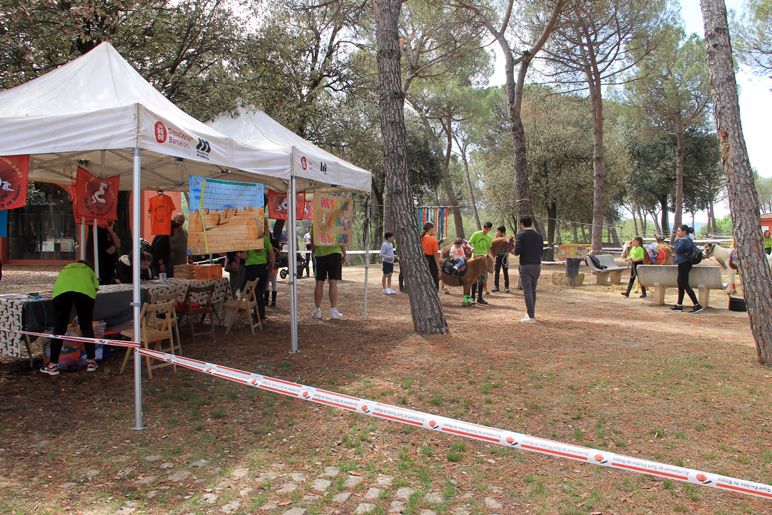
(203, 306)
(158, 324)
(244, 307)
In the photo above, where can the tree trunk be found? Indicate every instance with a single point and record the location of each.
(615, 237)
(425, 306)
(447, 184)
(514, 105)
(665, 223)
(713, 226)
(552, 214)
(635, 224)
(743, 199)
(644, 222)
(679, 188)
(598, 163)
(470, 186)
(574, 233)
(584, 235)
(388, 223)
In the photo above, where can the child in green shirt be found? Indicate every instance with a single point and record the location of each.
(636, 258)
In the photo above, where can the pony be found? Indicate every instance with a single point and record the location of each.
(664, 253)
(727, 259)
(475, 266)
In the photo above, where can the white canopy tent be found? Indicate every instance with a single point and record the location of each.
(97, 108)
(307, 167)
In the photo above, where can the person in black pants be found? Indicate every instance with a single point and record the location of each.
(529, 245)
(683, 248)
(431, 248)
(502, 262)
(76, 285)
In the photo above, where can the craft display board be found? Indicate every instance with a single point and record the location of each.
(439, 215)
(225, 216)
(333, 220)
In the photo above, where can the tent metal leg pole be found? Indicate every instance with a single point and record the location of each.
(96, 251)
(367, 253)
(136, 302)
(292, 259)
(82, 237)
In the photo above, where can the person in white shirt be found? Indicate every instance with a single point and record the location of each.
(307, 241)
(388, 257)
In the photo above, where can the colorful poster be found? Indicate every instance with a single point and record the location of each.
(96, 197)
(3, 224)
(225, 216)
(13, 181)
(277, 205)
(333, 220)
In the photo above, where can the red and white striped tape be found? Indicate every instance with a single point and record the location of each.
(467, 430)
(83, 339)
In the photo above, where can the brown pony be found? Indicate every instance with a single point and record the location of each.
(476, 266)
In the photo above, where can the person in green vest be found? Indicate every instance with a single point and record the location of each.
(329, 266)
(767, 243)
(256, 266)
(481, 242)
(76, 285)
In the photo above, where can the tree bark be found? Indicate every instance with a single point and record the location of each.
(574, 233)
(679, 183)
(552, 214)
(743, 199)
(665, 223)
(598, 163)
(447, 183)
(425, 306)
(470, 186)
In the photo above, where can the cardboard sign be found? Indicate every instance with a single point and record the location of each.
(333, 220)
(278, 205)
(225, 216)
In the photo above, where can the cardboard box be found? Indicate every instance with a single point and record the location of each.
(207, 272)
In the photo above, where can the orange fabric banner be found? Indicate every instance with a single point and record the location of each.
(96, 197)
(277, 205)
(13, 181)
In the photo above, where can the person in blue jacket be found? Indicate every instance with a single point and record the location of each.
(682, 249)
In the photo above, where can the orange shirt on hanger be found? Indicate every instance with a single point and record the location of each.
(161, 210)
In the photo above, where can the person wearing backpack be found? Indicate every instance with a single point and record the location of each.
(684, 249)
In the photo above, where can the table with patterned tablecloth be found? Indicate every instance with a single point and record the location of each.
(18, 311)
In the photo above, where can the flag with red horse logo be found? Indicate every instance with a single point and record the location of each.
(278, 205)
(96, 197)
(13, 181)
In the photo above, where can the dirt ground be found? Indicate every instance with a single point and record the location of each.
(597, 370)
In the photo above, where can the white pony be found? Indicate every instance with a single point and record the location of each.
(727, 258)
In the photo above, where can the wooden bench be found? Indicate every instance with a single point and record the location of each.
(660, 277)
(612, 272)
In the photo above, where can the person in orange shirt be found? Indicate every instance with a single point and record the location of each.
(431, 251)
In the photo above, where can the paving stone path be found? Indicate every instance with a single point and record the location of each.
(278, 489)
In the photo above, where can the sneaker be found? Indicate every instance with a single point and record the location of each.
(495, 290)
(482, 301)
(677, 308)
(51, 369)
(91, 366)
(392, 291)
(625, 294)
(386, 291)
(335, 314)
(697, 308)
(506, 290)
(317, 313)
(528, 320)
(643, 295)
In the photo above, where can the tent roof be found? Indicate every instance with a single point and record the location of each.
(98, 102)
(315, 168)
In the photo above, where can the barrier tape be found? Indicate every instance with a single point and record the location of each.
(82, 339)
(465, 429)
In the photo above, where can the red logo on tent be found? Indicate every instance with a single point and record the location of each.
(304, 162)
(160, 132)
(13, 181)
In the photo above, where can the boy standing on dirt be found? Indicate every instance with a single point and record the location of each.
(388, 257)
(481, 242)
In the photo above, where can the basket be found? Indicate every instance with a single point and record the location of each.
(205, 272)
